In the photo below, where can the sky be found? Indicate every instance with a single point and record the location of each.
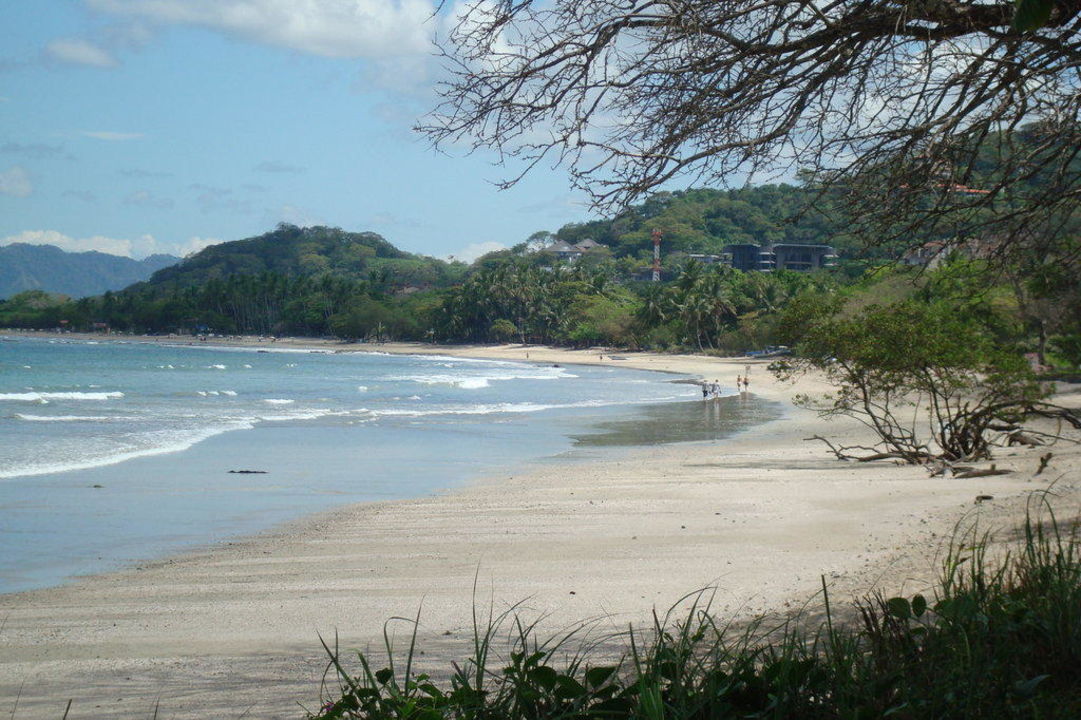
(137, 127)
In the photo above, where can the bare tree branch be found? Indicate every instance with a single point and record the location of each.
(884, 102)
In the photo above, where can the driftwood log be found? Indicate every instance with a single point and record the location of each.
(845, 452)
(982, 472)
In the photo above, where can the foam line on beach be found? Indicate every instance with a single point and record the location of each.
(72, 418)
(475, 382)
(525, 407)
(84, 463)
(39, 396)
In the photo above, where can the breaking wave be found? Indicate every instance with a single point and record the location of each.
(39, 396)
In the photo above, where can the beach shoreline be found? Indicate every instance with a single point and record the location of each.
(761, 518)
(675, 363)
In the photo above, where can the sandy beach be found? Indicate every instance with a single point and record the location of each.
(233, 630)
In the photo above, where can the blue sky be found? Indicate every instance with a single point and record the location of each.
(143, 126)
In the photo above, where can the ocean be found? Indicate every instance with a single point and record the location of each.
(118, 452)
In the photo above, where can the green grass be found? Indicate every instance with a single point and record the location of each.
(1000, 638)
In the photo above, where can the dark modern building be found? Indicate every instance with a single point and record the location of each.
(804, 258)
(748, 257)
(783, 256)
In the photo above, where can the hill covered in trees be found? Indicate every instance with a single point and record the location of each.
(303, 281)
(705, 220)
(293, 251)
(321, 281)
(52, 270)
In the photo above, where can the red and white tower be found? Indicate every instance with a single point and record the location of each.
(656, 256)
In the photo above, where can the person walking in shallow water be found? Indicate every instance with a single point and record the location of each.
(746, 383)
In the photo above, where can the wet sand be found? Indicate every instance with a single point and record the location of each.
(233, 630)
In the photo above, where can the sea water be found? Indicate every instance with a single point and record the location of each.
(115, 452)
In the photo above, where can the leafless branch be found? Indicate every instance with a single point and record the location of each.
(881, 102)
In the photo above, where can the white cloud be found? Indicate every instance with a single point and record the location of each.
(15, 181)
(471, 252)
(412, 76)
(147, 199)
(113, 246)
(217, 199)
(331, 28)
(37, 151)
(110, 135)
(386, 219)
(137, 248)
(192, 245)
(301, 217)
(79, 52)
(84, 195)
(141, 174)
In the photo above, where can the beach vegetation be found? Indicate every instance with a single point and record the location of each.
(925, 378)
(362, 288)
(999, 637)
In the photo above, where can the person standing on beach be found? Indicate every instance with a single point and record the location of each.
(746, 383)
(739, 382)
(705, 390)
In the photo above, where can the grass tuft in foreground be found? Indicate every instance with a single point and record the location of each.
(1001, 639)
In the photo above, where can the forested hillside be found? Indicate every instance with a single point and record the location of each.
(294, 251)
(328, 282)
(704, 221)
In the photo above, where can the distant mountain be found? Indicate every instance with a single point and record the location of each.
(304, 252)
(48, 268)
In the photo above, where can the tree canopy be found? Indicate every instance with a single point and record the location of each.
(898, 104)
(930, 383)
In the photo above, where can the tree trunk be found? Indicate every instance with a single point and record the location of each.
(1041, 346)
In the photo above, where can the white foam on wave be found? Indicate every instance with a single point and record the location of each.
(171, 445)
(242, 349)
(470, 361)
(313, 414)
(69, 418)
(230, 393)
(279, 401)
(215, 367)
(476, 382)
(44, 397)
(521, 407)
